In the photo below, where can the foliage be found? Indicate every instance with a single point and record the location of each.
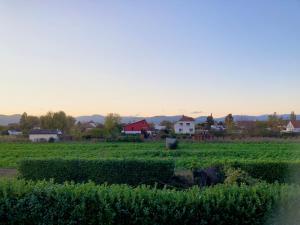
(57, 120)
(271, 171)
(238, 176)
(76, 133)
(28, 122)
(129, 138)
(112, 171)
(275, 122)
(190, 155)
(112, 125)
(31, 203)
(229, 121)
(210, 121)
(293, 116)
(94, 133)
(168, 124)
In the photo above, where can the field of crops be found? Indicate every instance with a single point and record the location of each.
(267, 201)
(188, 155)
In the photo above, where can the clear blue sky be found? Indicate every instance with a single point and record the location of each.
(150, 57)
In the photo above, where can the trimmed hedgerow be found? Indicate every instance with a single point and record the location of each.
(112, 171)
(30, 203)
(282, 172)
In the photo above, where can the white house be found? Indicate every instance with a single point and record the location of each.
(186, 125)
(293, 127)
(40, 135)
(89, 125)
(14, 132)
(159, 127)
(217, 127)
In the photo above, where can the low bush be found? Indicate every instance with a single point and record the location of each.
(130, 138)
(238, 176)
(31, 203)
(282, 172)
(112, 171)
(249, 172)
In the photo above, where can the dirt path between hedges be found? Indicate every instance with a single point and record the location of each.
(8, 172)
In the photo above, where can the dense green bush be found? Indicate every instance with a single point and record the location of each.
(112, 171)
(129, 138)
(282, 172)
(30, 203)
(238, 176)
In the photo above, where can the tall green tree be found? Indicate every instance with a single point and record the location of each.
(274, 122)
(28, 122)
(112, 124)
(229, 121)
(210, 121)
(293, 116)
(57, 120)
(168, 124)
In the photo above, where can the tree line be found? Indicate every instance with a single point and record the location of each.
(67, 124)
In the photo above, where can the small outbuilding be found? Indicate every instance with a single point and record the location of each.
(41, 135)
(14, 132)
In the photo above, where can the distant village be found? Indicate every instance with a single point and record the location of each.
(58, 126)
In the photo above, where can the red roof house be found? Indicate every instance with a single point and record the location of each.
(186, 119)
(136, 127)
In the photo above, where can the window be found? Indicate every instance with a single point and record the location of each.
(188, 124)
(180, 130)
(191, 130)
(181, 124)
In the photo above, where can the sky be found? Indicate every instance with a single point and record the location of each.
(158, 57)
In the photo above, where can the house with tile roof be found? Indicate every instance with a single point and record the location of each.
(138, 127)
(293, 127)
(186, 125)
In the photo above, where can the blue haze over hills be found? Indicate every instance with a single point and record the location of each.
(7, 119)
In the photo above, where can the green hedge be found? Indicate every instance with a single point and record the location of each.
(112, 171)
(30, 203)
(282, 172)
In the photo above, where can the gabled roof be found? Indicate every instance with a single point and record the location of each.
(14, 130)
(296, 124)
(186, 119)
(137, 126)
(137, 122)
(41, 131)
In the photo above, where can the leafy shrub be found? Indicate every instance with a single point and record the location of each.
(130, 138)
(113, 171)
(30, 203)
(238, 176)
(282, 172)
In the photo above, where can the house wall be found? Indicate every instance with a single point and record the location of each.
(182, 127)
(137, 127)
(14, 133)
(132, 132)
(290, 128)
(39, 137)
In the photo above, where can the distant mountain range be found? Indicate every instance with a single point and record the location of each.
(7, 119)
